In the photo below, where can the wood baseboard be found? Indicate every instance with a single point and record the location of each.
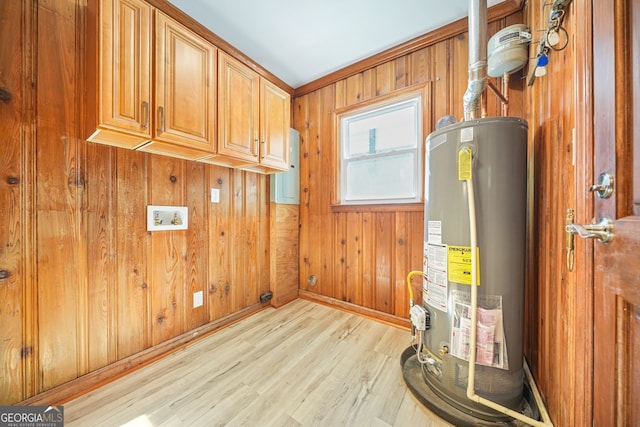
(356, 309)
(81, 385)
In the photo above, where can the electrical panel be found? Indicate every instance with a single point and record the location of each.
(285, 186)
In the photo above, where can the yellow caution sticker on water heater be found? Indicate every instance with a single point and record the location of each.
(465, 163)
(459, 265)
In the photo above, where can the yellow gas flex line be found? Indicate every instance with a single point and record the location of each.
(409, 276)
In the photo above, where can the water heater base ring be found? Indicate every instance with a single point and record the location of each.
(412, 373)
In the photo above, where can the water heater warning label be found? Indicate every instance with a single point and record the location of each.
(435, 261)
(459, 264)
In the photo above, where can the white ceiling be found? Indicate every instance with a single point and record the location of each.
(302, 40)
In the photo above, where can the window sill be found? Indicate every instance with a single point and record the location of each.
(391, 207)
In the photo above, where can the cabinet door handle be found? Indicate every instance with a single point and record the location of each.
(262, 150)
(145, 114)
(161, 119)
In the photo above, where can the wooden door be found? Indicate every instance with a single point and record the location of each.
(616, 85)
(275, 121)
(125, 73)
(185, 90)
(238, 110)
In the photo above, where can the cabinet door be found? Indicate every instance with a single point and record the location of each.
(185, 91)
(275, 121)
(238, 110)
(125, 73)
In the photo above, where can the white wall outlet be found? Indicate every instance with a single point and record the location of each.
(197, 299)
(215, 195)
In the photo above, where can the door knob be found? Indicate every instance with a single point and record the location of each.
(602, 230)
(604, 187)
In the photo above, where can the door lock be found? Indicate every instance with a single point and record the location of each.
(570, 246)
(604, 187)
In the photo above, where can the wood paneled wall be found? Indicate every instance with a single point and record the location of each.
(559, 317)
(361, 256)
(88, 286)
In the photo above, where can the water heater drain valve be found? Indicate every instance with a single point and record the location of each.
(420, 318)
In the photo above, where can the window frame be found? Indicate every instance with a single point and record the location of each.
(373, 104)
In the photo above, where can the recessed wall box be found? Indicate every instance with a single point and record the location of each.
(167, 218)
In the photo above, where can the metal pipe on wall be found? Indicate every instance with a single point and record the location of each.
(477, 58)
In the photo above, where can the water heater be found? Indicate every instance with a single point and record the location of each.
(499, 169)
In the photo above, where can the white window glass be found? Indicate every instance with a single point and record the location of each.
(381, 153)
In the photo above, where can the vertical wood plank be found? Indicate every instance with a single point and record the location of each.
(263, 243)
(401, 263)
(196, 277)
(14, 350)
(385, 78)
(253, 258)
(384, 269)
(441, 87)
(220, 235)
(312, 184)
(58, 198)
(300, 122)
(368, 260)
(340, 89)
(101, 258)
(339, 290)
(420, 70)
(326, 158)
(458, 76)
(368, 85)
(493, 104)
(353, 89)
(401, 72)
(132, 288)
(353, 279)
(416, 243)
(168, 252)
(284, 245)
(239, 237)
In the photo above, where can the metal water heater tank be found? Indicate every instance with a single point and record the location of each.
(499, 167)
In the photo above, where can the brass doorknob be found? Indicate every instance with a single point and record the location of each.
(602, 230)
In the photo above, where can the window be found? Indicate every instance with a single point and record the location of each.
(380, 155)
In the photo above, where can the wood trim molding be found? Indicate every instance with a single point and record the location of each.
(201, 30)
(583, 317)
(355, 309)
(79, 386)
(496, 12)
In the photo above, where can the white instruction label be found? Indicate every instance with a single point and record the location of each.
(466, 134)
(436, 261)
(434, 229)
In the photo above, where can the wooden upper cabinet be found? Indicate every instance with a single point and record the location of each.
(185, 92)
(122, 74)
(238, 110)
(253, 118)
(275, 121)
(161, 88)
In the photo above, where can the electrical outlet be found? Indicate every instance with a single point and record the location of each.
(197, 299)
(215, 195)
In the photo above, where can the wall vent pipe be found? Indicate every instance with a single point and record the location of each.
(477, 58)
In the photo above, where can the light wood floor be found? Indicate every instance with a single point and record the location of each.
(303, 364)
